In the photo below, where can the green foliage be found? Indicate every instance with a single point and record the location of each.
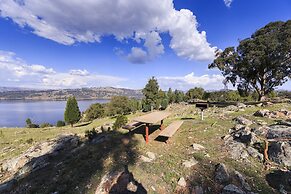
(178, 96)
(195, 93)
(151, 93)
(164, 104)
(72, 113)
(118, 105)
(135, 105)
(28, 121)
(29, 141)
(32, 125)
(60, 124)
(91, 134)
(119, 122)
(261, 62)
(44, 125)
(95, 111)
(171, 96)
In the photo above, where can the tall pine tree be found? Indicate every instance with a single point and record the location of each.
(151, 93)
(72, 113)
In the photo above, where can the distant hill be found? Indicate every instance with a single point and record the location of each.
(7, 93)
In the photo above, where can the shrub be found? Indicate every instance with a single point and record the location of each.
(119, 122)
(28, 121)
(164, 104)
(118, 105)
(32, 125)
(29, 141)
(91, 134)
(94, 111)
(61, 123)
(44, 125)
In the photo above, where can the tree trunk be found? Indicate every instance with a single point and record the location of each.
(71, 124)
(262, 97)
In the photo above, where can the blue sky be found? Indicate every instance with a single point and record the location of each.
(59, 44)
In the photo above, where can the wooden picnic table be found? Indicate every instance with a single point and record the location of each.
(152, 118)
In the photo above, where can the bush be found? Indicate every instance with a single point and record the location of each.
(44, 125)
(95, 111)
(164, 104)
(32, 125)
(29, 141)
(119, 122)
(91, 134)
(118, 105)
(28, 121)
(61, 123)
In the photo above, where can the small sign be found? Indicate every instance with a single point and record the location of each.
(202, 106)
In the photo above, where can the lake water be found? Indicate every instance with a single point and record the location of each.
(14, 113)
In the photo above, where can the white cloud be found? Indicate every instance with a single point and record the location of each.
(209, 82)
(15, 70)
(228, 2)
(79, 72)
(68, 22)
(137, 55)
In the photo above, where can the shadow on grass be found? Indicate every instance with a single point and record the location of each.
(141, 130)
(76, 169)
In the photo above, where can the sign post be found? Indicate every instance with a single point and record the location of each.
(202, 106)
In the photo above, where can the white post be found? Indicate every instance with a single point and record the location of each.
(202, 114)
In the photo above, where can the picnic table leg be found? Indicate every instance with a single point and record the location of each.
(162, 127)
(147, 133)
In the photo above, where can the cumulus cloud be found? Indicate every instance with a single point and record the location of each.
(15, 70)
(209, 82)
(67, 22)
(228, 3)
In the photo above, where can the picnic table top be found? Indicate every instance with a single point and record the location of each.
(153, 117)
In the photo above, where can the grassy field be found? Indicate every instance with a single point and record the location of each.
(81, 172)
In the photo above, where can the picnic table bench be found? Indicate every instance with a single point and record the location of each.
(171, 129)
(133, 125)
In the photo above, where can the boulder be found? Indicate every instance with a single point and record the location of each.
(262, 113)
(182, 182)
(232, 189)
(279, 131)
(255, 153)
(241, 105)
(221, 174)
(243, 121)
(197, 190)
(36, 156)
(280, 152)
(197, 147)
(241, 179)
(238, 151)
(149, 158)
(190, 163)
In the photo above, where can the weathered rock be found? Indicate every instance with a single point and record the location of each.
(279, 131)
(131, 187)
(231, 108)
(197, 147)
(262, 113)
(243, 121)
(245, 135)
(280, 152)
(268, 103)
(190, 163)
(241, 105)
(149, 158)
(238, 151)
(241, 179)
(232, 189)
(255, 153)
(5, 187)
(197, 190)
(182, 182)
(221, 174)
(36, 156)
(259, 104)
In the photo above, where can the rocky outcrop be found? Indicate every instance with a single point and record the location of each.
(243, 121)
(37, 156)
(221, 174)
(273, 114)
